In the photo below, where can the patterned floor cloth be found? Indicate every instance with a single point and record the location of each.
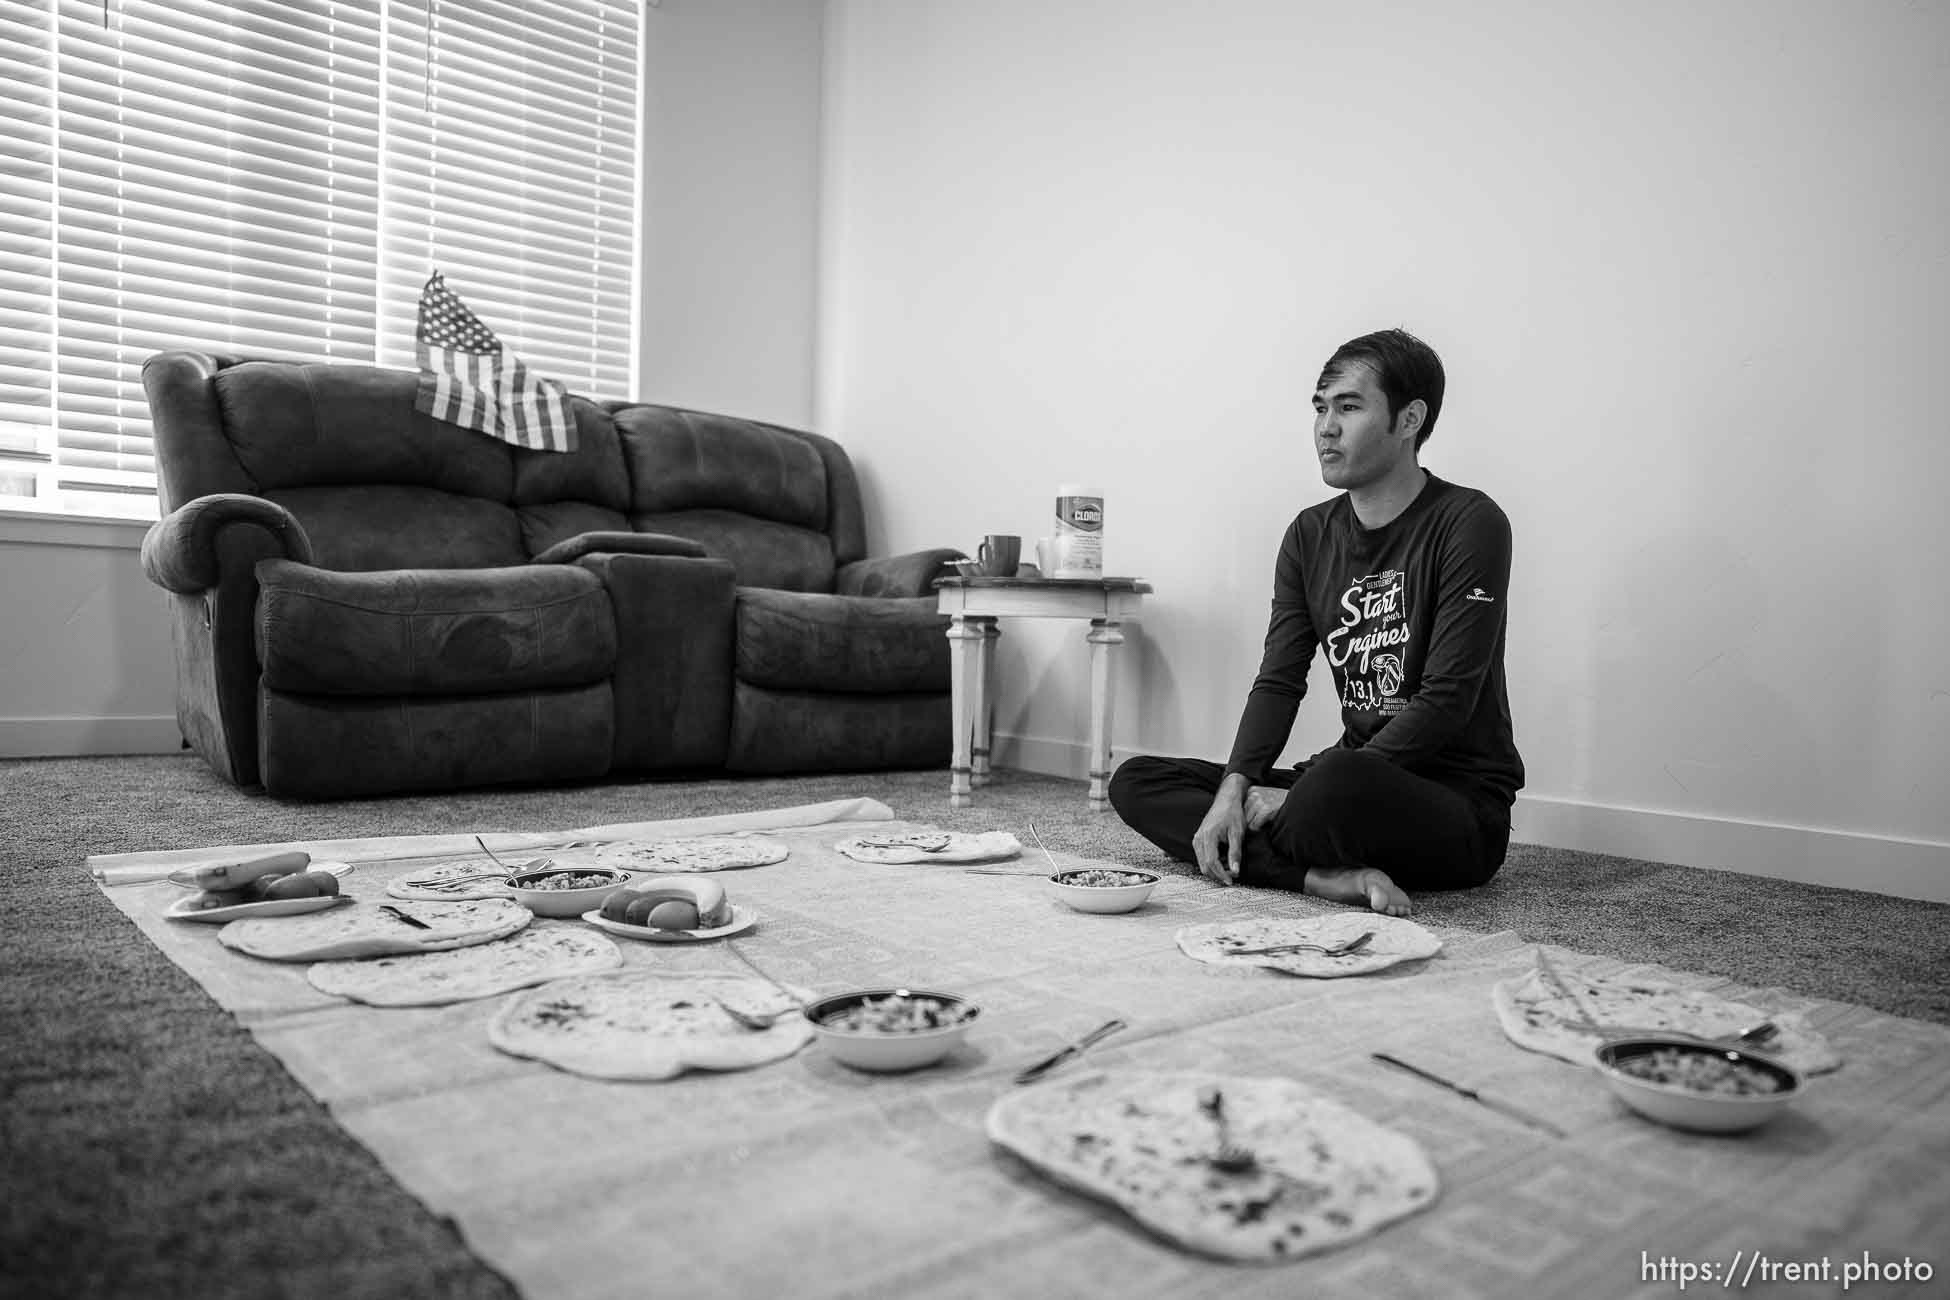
(806, 1178)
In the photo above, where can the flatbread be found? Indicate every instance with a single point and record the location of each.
(1537, 1015)
(366, 930)
(930, 846)
(432, 979)
(644, 1024)
(425, 882)
(1323, 1175)
(686, 853)
(1395, 941)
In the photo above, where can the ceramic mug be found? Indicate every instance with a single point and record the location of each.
(999, 554)
(1045, 557)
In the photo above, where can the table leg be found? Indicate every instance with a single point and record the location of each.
(984, 703)
(966, 636)
(1105, 636)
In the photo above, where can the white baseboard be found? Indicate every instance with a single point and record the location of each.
(82, 737)
(1066, 758)
(1907, 868)
(1886, 864)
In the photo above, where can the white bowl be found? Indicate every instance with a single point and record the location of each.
(1103, 898)
(565, 902)
(884, 1050)
(1691, 1108)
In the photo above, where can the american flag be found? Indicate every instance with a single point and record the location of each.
(468, 378)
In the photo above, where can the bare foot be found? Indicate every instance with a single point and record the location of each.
(1359, 885)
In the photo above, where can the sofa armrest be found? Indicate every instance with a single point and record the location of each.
(180, 552)
(620, 543)
(912, 574)
(673, 682)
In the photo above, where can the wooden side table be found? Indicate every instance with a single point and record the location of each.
(973, 605)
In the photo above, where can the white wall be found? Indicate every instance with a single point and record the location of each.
(84, 640)
(731, 206)
(1686, 265)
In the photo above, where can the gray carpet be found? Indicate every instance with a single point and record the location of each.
(149, 1148)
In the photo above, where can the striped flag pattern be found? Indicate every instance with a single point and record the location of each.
(468, 378)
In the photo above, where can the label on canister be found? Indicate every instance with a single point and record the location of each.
(1079, 537)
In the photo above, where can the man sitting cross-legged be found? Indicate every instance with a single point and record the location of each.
(1403, 579)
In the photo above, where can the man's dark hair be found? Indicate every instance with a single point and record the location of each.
(1405, 368)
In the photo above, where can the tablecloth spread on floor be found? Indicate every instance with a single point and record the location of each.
(806, 1178)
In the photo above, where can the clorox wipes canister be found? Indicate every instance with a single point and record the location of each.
(1079, 538)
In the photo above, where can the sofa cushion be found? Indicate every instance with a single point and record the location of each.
(762, 552)
(592, 473)
(342, 747)
(803, 641)
(622, 542)
(687, 460)
(798, 731)
(554, 522)
(427, 632)
(293, 424)
(393, 526)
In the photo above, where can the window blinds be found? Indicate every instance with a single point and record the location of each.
(279, 179)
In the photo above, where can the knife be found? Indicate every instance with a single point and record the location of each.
(1502, 1107)
(1095, 1036)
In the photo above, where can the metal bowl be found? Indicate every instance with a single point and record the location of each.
(884, 1050)
(564, 902)
(1103, 898)
(1696, 1106)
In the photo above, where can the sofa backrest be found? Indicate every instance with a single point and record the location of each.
(780, 504)
(377, 484)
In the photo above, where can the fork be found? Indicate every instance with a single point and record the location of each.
(1353, 945)
(1033, 834)
(750, 1021)
(1753, 1036)
(441, 882)
(1230, 1158)
(531, 865)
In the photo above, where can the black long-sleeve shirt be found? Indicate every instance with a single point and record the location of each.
(1412, 616)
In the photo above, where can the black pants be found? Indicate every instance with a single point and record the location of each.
(1345, 809)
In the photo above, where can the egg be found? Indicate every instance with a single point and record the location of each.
(673, 914)
(210, 898)
(303, 884)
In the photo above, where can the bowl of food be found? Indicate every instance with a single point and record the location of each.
(1691, 1084)
(565, 891)
(1104, 889)
(891, 1029)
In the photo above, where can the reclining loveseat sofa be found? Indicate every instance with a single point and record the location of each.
(368, 600)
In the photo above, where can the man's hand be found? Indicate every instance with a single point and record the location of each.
(1220, 841)
(1263, 803)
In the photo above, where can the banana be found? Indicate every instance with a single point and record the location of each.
(680, 904)
(235, 875)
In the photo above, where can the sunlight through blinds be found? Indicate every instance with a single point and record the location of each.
(511, 167)
(278, 178)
